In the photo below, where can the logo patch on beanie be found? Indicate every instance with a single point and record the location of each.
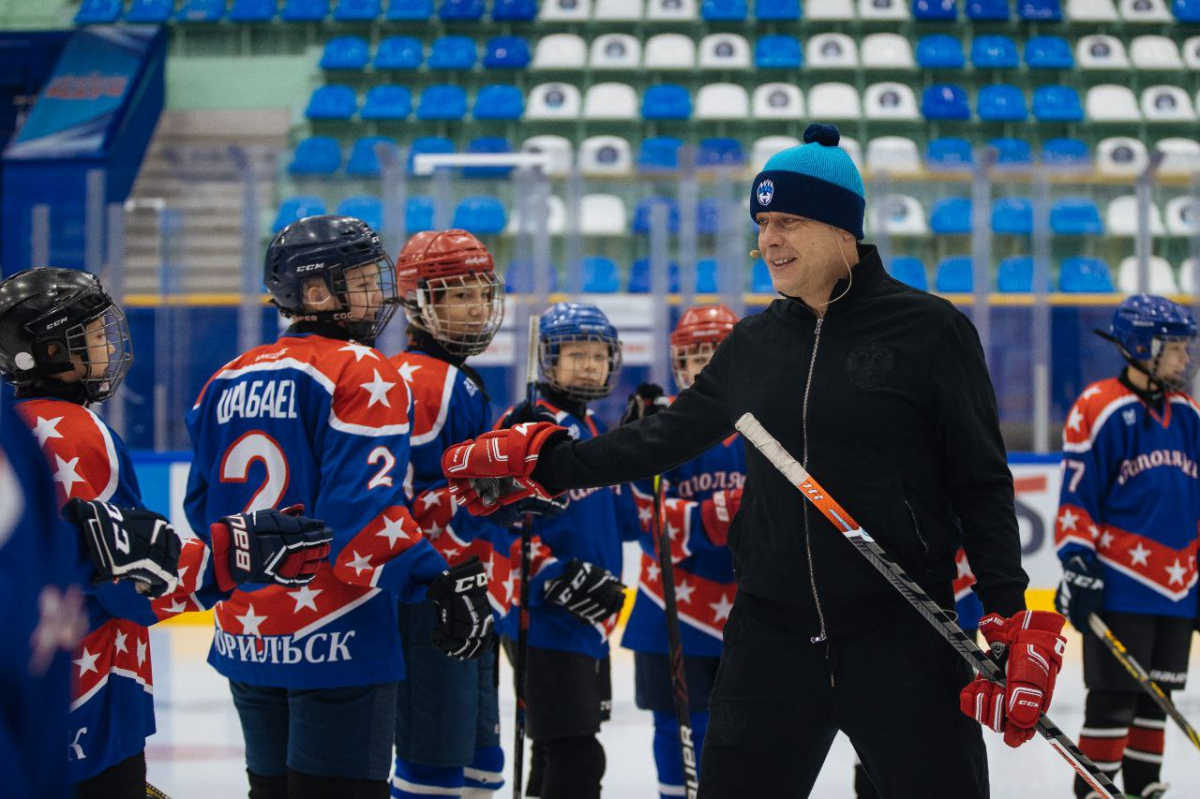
(765, 192)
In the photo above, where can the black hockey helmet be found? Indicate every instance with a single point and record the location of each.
(331, 248)
(48, 326)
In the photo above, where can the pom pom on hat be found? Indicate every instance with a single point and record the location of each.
(826, 135)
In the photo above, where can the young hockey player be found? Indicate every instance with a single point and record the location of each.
(64, 344)
(319, 417)
(703, 566)
(1127, 535)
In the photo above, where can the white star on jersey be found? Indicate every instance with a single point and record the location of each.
(378, 389)
(47, 429)
(431, 498)
(87, 662)
(1068, 519)
(1075, 419)
(683, 591)
(1106, 539)
(721, 608)
(1176, 573)
(406, 371)
(141, 648)
(66, 474)
(1139, 555)
(250, 622)
(120, 642)
(359, 351)
(1092, 391)
(360, 563)
(305, 597)
(652, 572)
(393, 531)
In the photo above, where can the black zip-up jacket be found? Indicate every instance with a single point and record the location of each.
(888, 402)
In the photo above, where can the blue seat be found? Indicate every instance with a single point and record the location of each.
(334, 101)
(706, 276)
(1075, 217)
(720, 152)
(368, 209)
(514, 10)
(499, 101)
(1012, 152)
(639, 277)
(949, 153)
(304, 10)
(1015, 275)
(399, 52)
(934, 10)
(1186, 10)
(1066, 153)
(776, 9)
(708, 217)
(729, 10)
(987, 9)
(666, 101)
(760, 278)
(482, 216)
(98, 12)
(153, 12)
(443, 102)
(418, 214)
(777, 52)
(939, 51)
(506, 52)
(1048, 52)
(951, 216)
(452, 52)
(404, 10)
(600, 275)
(200, 11)
(294, 208)
(1001, 103)
(364, 155)
(252, 10)
(519, 277)
(345, 52)
(1085, 276)
(387, 102)
(357, 10)
(945, 101)
(994, 52)
(1057, 104)
(1012, 216)
(461, 9)
(1040, 10)
(316, 155)
(909, 271)
(659, 153)
(641, 214)
(954, 276)
(488, 144)
(433, 145)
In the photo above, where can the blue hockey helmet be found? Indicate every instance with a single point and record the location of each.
(566, 322)
(1143, 319)
(332, 249)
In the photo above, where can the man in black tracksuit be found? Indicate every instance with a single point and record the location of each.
(882, 392)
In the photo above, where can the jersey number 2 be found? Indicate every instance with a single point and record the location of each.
(249, 448)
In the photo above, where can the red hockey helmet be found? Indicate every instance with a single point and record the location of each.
(429, 270)
(699, 330)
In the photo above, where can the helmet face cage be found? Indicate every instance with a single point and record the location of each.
(357, 287)
(549, 351)
(461, 338)
(1184, 380)
(679, 356)
(106, 343)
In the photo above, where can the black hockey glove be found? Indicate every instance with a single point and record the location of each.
(268, 546)
(464, 616)
(128, 544)
(1081, 592)
(525, 412)
(590, 593)
(648, 400)
(540, 508)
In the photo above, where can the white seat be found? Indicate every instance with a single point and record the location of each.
(724, 51)
(1191, 52)
(1121, 156)
(1112, 103)
(616, 51)
(1187, 276)
(898, 215)
(831, 51)
(1121, 218)
(610, 101)
(828, 9)
(1101, 52)
(852, 149)
(1181, 156)
(567, 10)
(768, 146)
(1167, 104)
(1091, 11)
(555, 216)
(618, 9)
(560, 51)
(605, 155)
(1162, 278)
(670, 51)
(1183, 216)
(603, 215)
(722, 101)
(887, 51)
(833, 101)
(892, 154)
(778, 101)
(557, 147)
(1154, 52)
(883, 9)
(671, 10)
(553, 101)
(890, 101)
(1145, 11)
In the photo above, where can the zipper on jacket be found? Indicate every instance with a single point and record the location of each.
(812, 575)
(917, 528)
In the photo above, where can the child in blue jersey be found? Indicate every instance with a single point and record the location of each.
(320, 418)
(1127, 535)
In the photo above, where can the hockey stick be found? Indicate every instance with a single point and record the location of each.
(687, 749)
(943, 621)
(1143, 679)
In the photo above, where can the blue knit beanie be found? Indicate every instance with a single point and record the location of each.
(816, 180)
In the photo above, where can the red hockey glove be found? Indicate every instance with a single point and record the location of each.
(494, 469)
(717, 513)
(268, 546)
(1034, 649)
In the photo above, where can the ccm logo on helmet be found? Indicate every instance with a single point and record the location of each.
(477, 260)
(310, 267)
(56, 323)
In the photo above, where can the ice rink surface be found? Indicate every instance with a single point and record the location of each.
(197, 752)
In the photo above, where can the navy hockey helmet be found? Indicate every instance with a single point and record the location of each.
(1141, 325)
(344, 253)
(566, 322)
